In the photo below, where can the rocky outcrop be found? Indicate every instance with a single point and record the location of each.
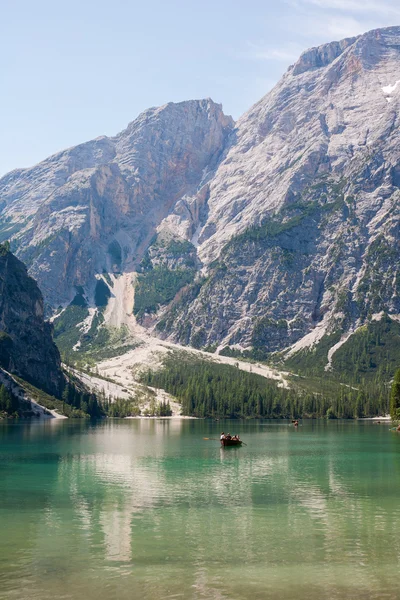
(321, 56)
(303, 212)
(26, 345)
(96, 207)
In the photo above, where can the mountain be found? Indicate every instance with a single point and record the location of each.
(275, 233)
(94, 208)
(303, 213)
(26, 345)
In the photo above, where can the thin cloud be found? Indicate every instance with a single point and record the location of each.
(325, 28)
(325, 20)
(369, 6)
(338, 27)
(260, 52)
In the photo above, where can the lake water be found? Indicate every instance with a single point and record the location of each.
(146, 509)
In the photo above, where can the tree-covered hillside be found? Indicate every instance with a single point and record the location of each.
(209, 389)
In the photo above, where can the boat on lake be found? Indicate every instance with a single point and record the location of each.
(225, 442)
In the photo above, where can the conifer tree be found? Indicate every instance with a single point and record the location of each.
(395, 397)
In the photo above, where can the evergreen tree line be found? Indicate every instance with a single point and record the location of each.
(395, 397)
(84, 401)
(9, 404)
(159, 286)
(372, 353)
(122, 408)
(207, 389)
(76, 403)
(119, 407)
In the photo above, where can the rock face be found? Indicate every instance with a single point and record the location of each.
(303, 212)
(95, 208)
(293, 212)
(321, 56)
(26, 345)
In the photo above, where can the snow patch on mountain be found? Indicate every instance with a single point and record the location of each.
(389, 89)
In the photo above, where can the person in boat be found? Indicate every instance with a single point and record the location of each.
(296, 423)
(228, 436)
(222, 436)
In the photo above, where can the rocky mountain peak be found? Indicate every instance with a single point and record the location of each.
(324, 139)
(95, 207)
(321, 56)
(370, 48)
(260, 233)
(186, 110)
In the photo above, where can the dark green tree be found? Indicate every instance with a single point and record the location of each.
(395, 397)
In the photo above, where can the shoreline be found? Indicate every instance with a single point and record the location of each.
(385, 418)
(155, 417)
(54, 416)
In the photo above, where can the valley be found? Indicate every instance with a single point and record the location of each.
(268, 245)
(199, 312)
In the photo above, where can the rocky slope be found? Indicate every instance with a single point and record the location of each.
(26, 345)
(268, 234)
(303, 213)
(95, 208)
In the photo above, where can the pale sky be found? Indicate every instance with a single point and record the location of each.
(73, 70)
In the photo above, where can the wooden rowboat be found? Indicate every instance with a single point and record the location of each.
(231, 442)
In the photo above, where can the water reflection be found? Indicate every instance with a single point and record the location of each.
(151, 506)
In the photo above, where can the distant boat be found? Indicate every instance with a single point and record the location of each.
(225, 442)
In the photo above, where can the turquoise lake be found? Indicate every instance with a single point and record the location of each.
(146, 509)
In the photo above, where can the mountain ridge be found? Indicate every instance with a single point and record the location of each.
(83, 193)
(251, 235)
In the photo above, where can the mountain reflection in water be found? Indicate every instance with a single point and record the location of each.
(139, 509)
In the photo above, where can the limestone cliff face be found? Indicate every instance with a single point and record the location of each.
(293, 212)
(338, 121)
(96, 207)
(321, 56)
(26, 345)
(303, 212)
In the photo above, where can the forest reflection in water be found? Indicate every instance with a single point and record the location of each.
(144, 508)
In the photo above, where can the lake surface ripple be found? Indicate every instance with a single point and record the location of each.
(143, 509)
